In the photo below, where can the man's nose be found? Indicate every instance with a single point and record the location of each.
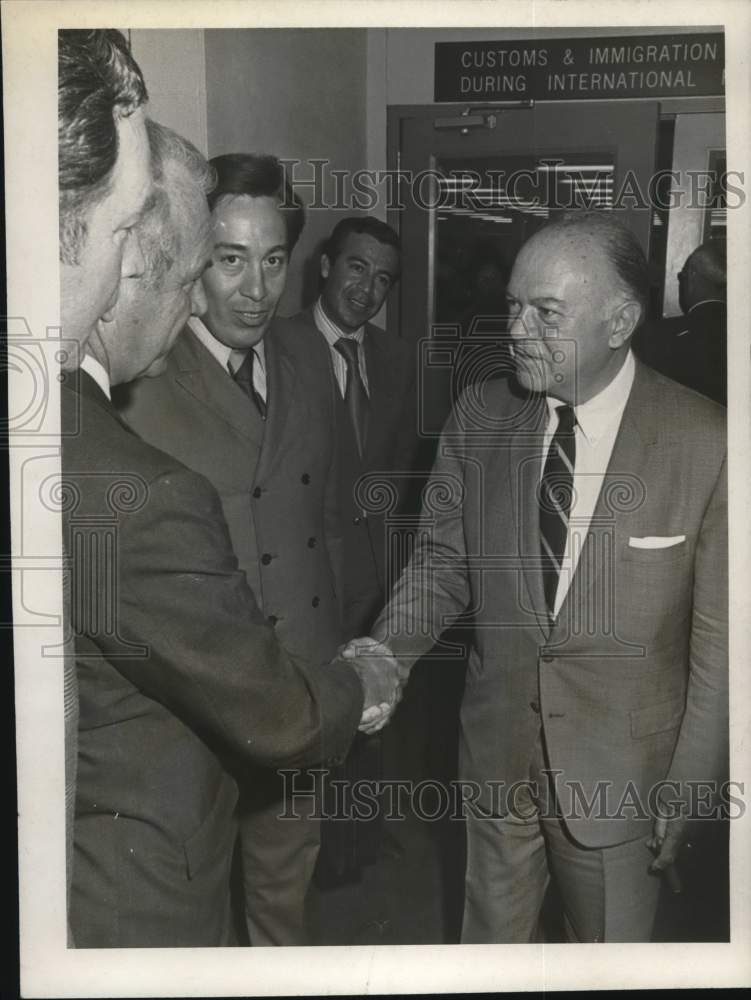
(518, 326)
(133, 264)
(365, 283)
(198, 301)
(254, 284)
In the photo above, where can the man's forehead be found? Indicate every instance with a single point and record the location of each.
(552, 258)
(242, 215)
(366, 247)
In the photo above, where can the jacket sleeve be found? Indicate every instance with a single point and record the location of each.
(701, 753)
(208, 653)
(434, 589)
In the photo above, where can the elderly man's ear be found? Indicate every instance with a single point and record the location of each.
(623, 322)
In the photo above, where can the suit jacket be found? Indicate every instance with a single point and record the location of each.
(181, 681)
(368, 567)
(630, 683)
(276, 478)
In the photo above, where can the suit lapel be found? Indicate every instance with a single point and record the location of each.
(620, 491)
(380, 393)
(523, 465)
(283, 395)
(201, 375)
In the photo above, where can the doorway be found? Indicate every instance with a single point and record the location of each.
(481, 182)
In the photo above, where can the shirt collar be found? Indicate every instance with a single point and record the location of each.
(330, 330)
(219, 351)
(98, 372)
(602, 410)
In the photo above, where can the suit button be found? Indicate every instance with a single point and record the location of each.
(535, 706)
(548, 659)
(556, 715)
(356, 520)
(272, 620)
(316, 601)
(266, 559)
(257, 492)
(305, 478)
(311, 543)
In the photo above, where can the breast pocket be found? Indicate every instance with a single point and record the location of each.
(654, 584)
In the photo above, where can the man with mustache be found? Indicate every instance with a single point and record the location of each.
(579, 534)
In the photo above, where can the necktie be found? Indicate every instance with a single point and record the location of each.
(355, 395)
(243, 375)
(555, 495)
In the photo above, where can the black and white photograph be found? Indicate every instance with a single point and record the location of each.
(378, 435)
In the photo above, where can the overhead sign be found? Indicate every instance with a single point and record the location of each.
(564, 69)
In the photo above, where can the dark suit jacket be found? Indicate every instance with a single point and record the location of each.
(276, 479)
(181, 680)
(389, 455)
(630, 684)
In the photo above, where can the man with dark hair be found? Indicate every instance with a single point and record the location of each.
(579, 534)
(104, 181)
(242, 402)
(374, 377)
(692, 348)
(103, 173)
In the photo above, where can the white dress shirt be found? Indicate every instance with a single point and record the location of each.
(230, 358)
(332, 333)
(597, 424)
(98, 372)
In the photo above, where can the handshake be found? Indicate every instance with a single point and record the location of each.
(382, 680)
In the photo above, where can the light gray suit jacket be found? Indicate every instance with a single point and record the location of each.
(630, 683)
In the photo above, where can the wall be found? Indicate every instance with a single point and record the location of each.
(174, 66)
(298, 94)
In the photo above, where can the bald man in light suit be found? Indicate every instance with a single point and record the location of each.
(576, 523)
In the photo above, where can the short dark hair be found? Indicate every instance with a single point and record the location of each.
(259, 176)
(620, 246)
(360, 224)
(98, 83)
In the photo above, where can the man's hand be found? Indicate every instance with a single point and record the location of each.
(381, 678)
(665, 842)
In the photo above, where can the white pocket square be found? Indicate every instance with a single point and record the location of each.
(656, 541)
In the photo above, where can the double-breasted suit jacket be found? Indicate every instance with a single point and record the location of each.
(182, 682)
(630, 683)
(276, 478)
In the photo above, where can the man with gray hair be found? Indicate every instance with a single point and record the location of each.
(576, 525)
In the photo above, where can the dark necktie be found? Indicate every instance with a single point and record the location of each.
(355, 395)
(555, 494)
(244, 378)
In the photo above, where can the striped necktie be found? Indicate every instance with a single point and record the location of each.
(555, 496)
